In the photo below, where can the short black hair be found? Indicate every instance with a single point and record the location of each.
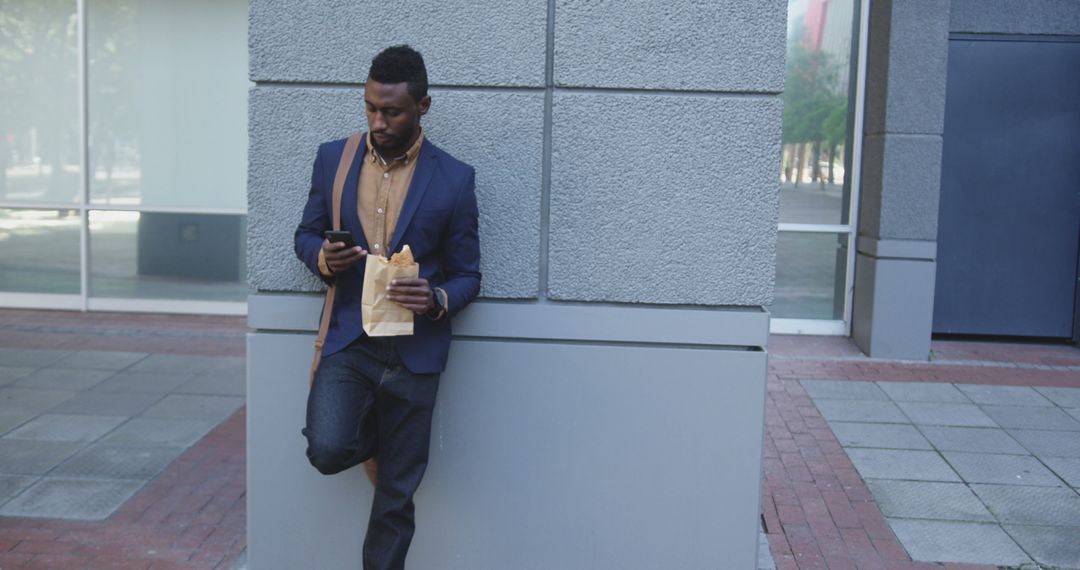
(401, 64)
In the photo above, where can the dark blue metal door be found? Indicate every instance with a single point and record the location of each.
(1009, 224)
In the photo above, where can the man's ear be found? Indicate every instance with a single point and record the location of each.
(424, 104)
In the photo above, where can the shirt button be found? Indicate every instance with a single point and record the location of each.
(386, 175)
(380, 210)
(376, 246)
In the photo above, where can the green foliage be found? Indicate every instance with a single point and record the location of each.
(815, 99)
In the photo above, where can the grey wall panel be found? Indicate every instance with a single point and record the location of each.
(664, 199)
(1053, 17)
(894, 306)
(908, 61)
(543, 456)
(729, 326)
(722, 45)
(901, 182)
(291, 507)
(500, 133)
(482, 42)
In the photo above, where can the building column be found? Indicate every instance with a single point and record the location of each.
(901, 178)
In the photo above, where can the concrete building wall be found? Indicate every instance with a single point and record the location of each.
(626, 162)
(901, 177)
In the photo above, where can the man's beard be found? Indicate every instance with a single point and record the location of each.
(397, 146)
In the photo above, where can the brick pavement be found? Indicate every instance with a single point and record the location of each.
(818, 512)
(192, 515)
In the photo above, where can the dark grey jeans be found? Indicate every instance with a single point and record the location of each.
(364, 402)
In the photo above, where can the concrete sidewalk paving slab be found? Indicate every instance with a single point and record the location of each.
(11, 420)
(1064, 397)
(1032, 417)
(1001, 469)
(1074, 412)
(160, 431)
(872, 411)
(22, 457)
(216, 382)
(1057, 547)
(1049, 443)
(1003, 395)
(901, 464)
(885, 436)
(9, 374)
(61, 427)
(64, 498)
(31, 357)
(843, 390)
(961, 542)
(70, 379)
(972, 439)
(934, 413)
(11, 485)
(923, 392)
(118, 462)
(1050, 506)
(108, 404)
(100, 359)
(192, 406)
(1068, 468)
(928, 500)
(156, 382)
(18, 399)
(178, 363)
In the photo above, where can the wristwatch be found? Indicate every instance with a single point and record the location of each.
(439, 310)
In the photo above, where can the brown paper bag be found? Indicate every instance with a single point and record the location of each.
(381, 316)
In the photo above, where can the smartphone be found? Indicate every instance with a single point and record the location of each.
(343, 236)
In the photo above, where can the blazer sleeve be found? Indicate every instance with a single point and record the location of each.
(308, 238)
(461, 261)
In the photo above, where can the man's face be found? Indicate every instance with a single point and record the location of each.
(393, 117)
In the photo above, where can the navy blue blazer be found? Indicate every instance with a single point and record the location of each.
(439, 223)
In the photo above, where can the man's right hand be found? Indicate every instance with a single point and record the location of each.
(339, 258)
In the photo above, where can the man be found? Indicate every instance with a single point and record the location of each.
(375, 395)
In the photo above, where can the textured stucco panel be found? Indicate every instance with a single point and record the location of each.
(480, 42)
(909, 48)
(902, 184)
(500, 134)
(1053, 17)
(664, 199)
(718, 45)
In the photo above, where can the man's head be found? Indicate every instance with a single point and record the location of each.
(395, 97)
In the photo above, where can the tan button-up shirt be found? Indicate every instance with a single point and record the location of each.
(384, 184)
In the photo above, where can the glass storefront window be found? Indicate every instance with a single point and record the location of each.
(810, 273)
(814, 186)
(146, 255)
(167, 102)
(39, 251)
(39, 102)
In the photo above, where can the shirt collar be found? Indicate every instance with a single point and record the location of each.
(409, 156)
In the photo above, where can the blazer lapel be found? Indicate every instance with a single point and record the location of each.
(350, 194)
(425, 167)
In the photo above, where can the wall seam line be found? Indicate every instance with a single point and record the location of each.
(545, 168)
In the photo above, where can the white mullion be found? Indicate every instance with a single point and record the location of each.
(814, 228)
(84, 159)
(856, 161)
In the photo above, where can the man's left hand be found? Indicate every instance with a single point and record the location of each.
(414, 294)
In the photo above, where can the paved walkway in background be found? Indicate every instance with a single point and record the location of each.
(840, 484)
(935, 441)
(120, 444)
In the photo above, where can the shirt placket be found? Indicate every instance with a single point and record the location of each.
(382, 204)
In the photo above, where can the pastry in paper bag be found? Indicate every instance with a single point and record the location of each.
(383, 317)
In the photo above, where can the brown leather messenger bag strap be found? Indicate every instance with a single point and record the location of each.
(347, 157)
